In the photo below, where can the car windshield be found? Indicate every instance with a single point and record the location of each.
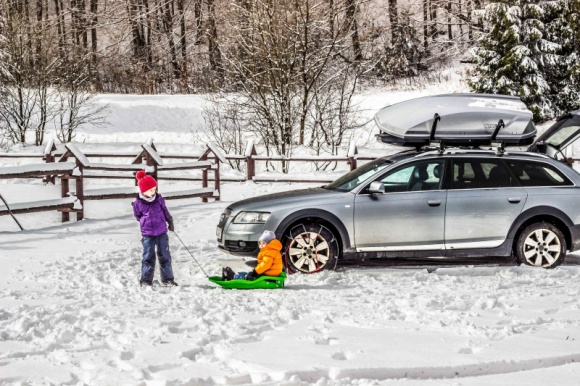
(353, 179)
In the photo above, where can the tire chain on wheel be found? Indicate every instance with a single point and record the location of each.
(331, 243)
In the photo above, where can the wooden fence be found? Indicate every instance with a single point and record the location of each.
(73, 164)
(59, 166)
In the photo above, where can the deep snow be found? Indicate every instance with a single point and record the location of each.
(71, 310)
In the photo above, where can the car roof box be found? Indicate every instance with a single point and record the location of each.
(457, 119)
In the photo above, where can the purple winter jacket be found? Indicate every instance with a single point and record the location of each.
(152, 216)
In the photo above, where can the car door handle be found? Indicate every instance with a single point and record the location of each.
(434, 202)
(514, 200)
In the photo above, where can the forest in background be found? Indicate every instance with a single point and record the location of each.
(283, 72)
(188, 46)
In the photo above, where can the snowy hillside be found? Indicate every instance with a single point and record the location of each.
(72, 312)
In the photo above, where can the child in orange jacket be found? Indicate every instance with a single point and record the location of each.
(269, 259)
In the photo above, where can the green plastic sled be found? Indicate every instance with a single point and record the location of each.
(263, 282)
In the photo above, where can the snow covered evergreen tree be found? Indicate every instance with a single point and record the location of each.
(564, 78)
(528, 52)
(510, 57)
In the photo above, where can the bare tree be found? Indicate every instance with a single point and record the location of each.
(38, 83)
(286, 69)
(28, 67)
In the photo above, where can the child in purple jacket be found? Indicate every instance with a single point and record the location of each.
(150, 210)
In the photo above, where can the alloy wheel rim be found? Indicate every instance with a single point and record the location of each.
(542, 248)
(309, 252)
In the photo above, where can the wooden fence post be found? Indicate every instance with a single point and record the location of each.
(150, 158)
(82, 162)
(49, 158)
(64, 189)
(204, 174)
(218, 157)
(352, 152)
(216, 177)
(80, 192)
(250, 161)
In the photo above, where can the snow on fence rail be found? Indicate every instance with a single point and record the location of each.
(65, 204)
(148, 159)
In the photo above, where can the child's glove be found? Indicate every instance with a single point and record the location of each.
(170, 226)
(252, 275)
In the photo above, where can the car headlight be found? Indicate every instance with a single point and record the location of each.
(251, 218)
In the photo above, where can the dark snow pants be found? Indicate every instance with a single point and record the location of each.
(160, 242)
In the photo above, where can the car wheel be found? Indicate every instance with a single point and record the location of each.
(541, 245)
(310, 247)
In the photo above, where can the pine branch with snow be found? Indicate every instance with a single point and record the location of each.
(530, 52)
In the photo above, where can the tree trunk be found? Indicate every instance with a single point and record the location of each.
(60, 24)
(168, 24)
(198, 21)
(39, 12)
(83, 28)
(137, 42)
(393, 18)
(147, 36)
(460, 11)
(469, 25)
(94, 8)
(182, 41)
(449, 26)
(351, 7)
(215, 59)
(479, 5)
(434, 29)
(426, 24)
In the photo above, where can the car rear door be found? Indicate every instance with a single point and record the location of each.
(483, 201)
(409, 216)
(560, 136)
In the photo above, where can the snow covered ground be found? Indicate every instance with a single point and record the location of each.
(71, 310)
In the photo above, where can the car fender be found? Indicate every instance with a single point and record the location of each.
(538, 211)
(327, 216)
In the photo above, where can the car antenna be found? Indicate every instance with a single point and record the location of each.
(499, 144)
(438, 144)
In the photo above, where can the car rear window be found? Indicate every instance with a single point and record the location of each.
(531, 173)
(480, 173)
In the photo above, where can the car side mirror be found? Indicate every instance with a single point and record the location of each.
(377, 187)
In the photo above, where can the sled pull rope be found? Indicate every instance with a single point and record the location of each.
(191, 254)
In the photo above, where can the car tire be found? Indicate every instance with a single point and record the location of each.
(309, 248)
(541, 245)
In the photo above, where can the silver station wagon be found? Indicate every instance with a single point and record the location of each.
(470, 200)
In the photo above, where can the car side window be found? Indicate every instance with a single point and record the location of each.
(530, 173)
(480, 174)
(415, 177)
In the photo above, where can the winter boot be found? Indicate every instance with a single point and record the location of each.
(227, 274)
(170, 283)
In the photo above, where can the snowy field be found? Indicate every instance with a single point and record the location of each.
(71, 310)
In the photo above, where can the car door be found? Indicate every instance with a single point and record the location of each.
(483, 201)
(408, 216)
(561, 136)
